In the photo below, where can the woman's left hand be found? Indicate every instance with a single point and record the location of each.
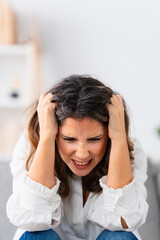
(116, 127)
(119, 170)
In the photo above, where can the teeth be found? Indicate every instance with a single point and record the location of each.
(82, 163)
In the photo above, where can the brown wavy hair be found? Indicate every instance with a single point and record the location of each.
(78, 96)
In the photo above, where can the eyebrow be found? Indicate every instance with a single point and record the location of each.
(88, 138)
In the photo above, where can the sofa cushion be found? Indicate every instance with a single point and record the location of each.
(157, 180)
(7, 229)
(150, 229)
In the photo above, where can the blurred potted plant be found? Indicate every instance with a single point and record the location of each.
(158, 131)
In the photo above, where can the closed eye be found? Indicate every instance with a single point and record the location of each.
(94, 139)
(69, 139)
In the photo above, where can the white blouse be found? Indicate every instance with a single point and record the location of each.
(34, 207)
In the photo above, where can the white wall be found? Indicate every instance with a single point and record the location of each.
(117, 41)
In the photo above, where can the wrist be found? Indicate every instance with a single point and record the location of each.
(119, 139)
(47, 137)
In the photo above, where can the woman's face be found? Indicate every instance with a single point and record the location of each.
(81, 144)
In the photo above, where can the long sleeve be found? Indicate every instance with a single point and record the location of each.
(128, 202)
(31, 206)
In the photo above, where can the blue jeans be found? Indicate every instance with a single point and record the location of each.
(51, 235)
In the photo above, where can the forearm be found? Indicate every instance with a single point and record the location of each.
(119, 170)
(42, 168)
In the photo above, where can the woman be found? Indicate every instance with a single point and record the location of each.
(76, 172)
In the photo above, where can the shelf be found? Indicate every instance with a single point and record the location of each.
(17, 75)
(15, 49)
(5, 157)
(19, 87)
(14, 104)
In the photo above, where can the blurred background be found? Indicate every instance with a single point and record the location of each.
(42, 41)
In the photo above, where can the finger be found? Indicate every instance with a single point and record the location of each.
(42, 97)
(110, 108)
(113, 101)
(46, 99)
(40, 100)
(115, 97)
(43, 101)
(119, 97)
(49, 97)
(49, 103)
(52, 106)
(116, 100)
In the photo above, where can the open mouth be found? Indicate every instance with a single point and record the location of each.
(82, 164)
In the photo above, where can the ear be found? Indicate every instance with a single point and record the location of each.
(56, 138)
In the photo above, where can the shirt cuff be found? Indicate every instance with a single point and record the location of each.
(38, 198)
(118, 200)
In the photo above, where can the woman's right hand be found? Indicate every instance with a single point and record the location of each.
(47, 120)
(42, 167)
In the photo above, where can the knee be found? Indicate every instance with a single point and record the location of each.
(116, 235)
(40, 235)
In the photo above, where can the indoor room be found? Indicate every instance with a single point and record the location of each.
(113, 41)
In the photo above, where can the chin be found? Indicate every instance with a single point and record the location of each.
(81, 173)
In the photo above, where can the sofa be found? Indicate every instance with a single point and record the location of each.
(149, 230)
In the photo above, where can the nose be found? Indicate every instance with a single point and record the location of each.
(82, 152)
